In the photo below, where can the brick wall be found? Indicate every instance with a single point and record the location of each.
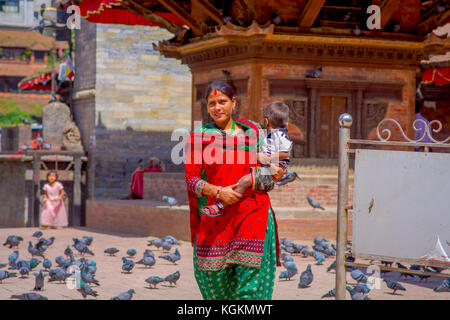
(157, 185)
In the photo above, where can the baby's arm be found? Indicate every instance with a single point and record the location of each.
(278, 156)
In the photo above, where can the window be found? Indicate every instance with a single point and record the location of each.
(39, 56)
(9, 5)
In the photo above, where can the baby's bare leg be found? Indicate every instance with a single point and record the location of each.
(245, 182)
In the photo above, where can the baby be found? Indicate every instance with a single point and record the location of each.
(275, 148)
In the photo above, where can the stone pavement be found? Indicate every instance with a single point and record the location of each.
(113, 280)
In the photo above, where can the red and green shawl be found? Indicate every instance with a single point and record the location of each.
(237, 237)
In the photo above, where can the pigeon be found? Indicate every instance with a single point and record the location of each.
(13, 241)
(422, 277)
(33, 251)
(173, 278)
(5, 275)
(59, 274)
(358, 275)
(88, 277)
(318, 248)
(86, 290)
(111, 251)
(22, 263)
(314, 204)
(394, 285)
(172, 240)
(131, 252)
(288, 177)
(286, 242)
(329, 294)
(350, 259)
(306, 278)
(127, 295)
(67, 252)
(127, 265)
(39, 280)
(320, 257)
(29, 296)
(89, 262)
(49, 241)
(24, 271)
(154, 280)
(289, 249)
(356, 295)
(173, 257)
(12, 258)
(81, 247)
(286, 257)
(47, 264)
(363, 288)
(315, 73)
(37, 234)
(156, 242)
(61, 262)
(87, 240)
(332, 266)
(34, 263)
(404, 274)
(330, 252)
(305, 252)
(149, 253)
(147, 261)
(444, 286)
(298, 247)
(170, 200)
(287, 274)
(41, 245)
(166, 245)
(334, 246)
(25, 121)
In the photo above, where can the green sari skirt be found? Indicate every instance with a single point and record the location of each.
(238, 282)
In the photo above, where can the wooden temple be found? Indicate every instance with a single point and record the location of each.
(267, 49)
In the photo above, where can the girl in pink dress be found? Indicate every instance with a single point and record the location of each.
(53, 211)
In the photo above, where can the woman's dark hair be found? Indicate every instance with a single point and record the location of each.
(52, 171)
(278, 114)
(221, 86)
(418, 106)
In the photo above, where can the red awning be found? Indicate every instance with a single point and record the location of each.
(103, 11)
(437, 76)
(42, 82)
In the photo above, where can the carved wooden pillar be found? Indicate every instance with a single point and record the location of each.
(358, 113)
(255, 93)
(312, 124)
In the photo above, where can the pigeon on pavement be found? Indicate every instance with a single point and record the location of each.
(173, 278)
(329, 294)
(6, 274)
(86, 290)
(356, 295)
(127, 295)
(154, 280)
(314, 204)
(306, 278)
(444, 286)
(172, 257)
(29, 296)
(147, 261)
(39, 280)
(111, 251)
(394, 285)
(37, 234)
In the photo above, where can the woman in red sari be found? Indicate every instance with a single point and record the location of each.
(137, 180)
(235, 254)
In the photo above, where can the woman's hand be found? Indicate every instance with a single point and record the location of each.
(277, 171)
(228, 195)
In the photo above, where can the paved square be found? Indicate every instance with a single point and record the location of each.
(113, 280)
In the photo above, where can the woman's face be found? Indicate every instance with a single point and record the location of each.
(220, 107)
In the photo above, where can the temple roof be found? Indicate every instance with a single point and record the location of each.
(25, 39)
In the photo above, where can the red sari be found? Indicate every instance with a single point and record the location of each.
(238, 236)
(137, 182)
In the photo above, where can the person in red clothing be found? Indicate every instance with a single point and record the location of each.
(137, 180)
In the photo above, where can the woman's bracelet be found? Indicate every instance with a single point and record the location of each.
(218, 192)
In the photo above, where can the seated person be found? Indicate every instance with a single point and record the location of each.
(137, 180)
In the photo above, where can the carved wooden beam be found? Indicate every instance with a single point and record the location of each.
(149, 15)
(387, 10)
(433, 22)
(210, 10)
(173, 7)
(246, 8)
(310, 13)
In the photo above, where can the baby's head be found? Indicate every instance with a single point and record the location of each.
(276, 115)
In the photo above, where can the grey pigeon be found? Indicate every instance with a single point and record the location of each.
(33, 251)
(329, 294)
(166, 245)
(41, 245)
(88, 277)
(111, 251)
(131, 252)
(172, 240)
(286, 257)
(356, 295)
(173, 257)
(289, 249)
(127, 295)
(87, 240)
(149, 253)
(444, 286)
(29, 296)
(86, 290)
(39, 280)
(24, 271)
(67, 252)
(314, 73)
(61, 262)
(394, 285)
(156, 242)
(288, 177)
(358, 275)
(423, 277)
(49, 241)
(147, 261)
(154, 280)
(13, 241)
(404, 274)
(305, 252)
(12, 258)
(34, 263)
(127, 265)
(306, 278)
(5, 275)
(81, 247)
(320, 257)
(363, 288)
(173, 278)
(319, 240)
(287, 274)
(22, 263)
(37, 234)
(59, 274)
(332, 266)
(314, 204)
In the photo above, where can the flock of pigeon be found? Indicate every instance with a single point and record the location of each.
(322, 250)
(82, 270)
